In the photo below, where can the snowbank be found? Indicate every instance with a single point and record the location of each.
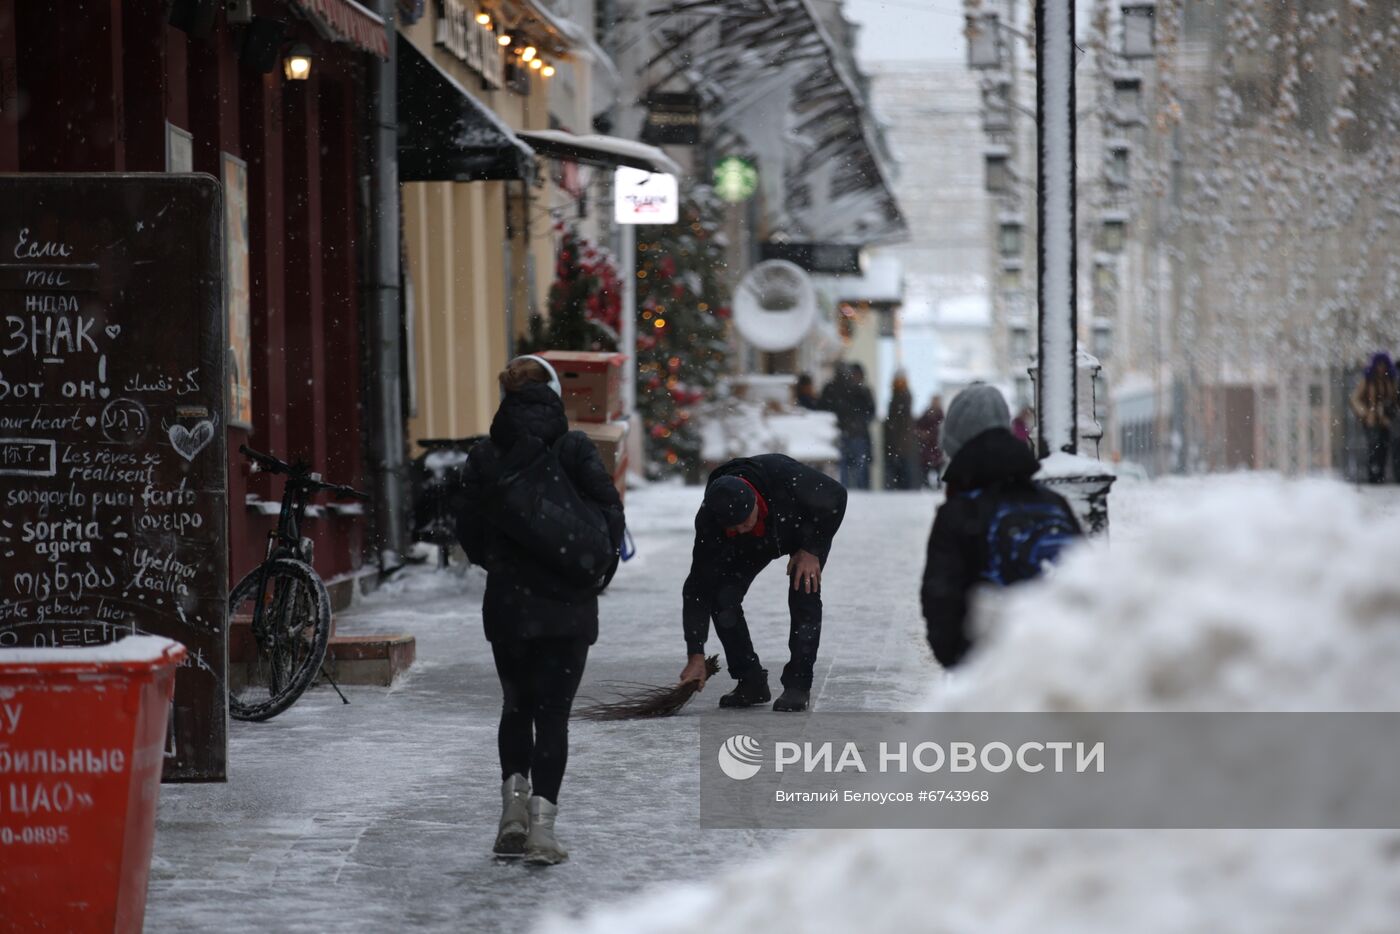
(1260, 596)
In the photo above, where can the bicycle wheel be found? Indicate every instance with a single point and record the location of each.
(286, 643)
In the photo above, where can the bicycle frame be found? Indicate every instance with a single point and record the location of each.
(285, 541)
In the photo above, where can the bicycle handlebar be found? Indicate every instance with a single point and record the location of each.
(300, 475)
(264, 461)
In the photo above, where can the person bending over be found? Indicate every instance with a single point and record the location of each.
(758, 510)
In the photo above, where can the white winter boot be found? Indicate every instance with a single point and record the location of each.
(515, 817)
(541, 847)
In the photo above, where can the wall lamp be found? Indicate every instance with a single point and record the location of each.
(296, 65)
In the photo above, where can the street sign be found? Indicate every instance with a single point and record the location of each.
(113, 471)
(641, 197)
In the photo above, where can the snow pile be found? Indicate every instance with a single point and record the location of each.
(1260, 596)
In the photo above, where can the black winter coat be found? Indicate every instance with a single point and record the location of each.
(805, 508)
(522, 600)
(853, 405)
(993, 467)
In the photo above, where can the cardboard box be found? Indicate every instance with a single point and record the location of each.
(611, 441)
(592, 384)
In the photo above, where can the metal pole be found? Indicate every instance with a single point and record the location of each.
(628, 338)
(1058, 330)
(383, 331)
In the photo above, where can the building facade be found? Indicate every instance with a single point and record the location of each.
(137, 94)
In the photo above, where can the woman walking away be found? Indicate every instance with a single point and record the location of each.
(1374, 402)
(899, 437)
(540, 617)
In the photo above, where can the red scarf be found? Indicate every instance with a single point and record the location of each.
(757, 530)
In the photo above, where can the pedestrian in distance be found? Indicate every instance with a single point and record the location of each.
(849, 398)
(927, 429)
(805, 393)
(542, 517)
(1022, 425)
(1375, 403)
(757, 510)
(997, 526)
(900, 448)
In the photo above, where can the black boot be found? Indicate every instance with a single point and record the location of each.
(751, 691)
(792, 699)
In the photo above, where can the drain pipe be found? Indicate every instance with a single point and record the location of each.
(383, 331)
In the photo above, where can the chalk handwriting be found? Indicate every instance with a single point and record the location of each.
(48, 335)
(40, 249)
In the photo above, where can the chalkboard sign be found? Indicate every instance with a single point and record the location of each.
(113, 469)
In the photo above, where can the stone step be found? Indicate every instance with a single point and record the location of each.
(351, 659)
(370, 659)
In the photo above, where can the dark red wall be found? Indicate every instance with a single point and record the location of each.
(299, 140)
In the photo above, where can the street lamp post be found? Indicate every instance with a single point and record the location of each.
(1054, 107)
(1084, 481)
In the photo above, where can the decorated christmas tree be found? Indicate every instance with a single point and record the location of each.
(682, 304)
(585, 300)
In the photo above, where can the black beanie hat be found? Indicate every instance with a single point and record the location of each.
(730, 500)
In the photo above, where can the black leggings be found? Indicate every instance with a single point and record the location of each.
(539, 678)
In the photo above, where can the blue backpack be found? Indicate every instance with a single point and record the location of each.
(1022, 535)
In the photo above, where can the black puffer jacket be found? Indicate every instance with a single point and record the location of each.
(805, 508)
(522, 601)
(992, 469)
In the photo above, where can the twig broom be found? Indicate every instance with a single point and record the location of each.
(637, 701)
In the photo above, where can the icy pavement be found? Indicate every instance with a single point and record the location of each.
(380, 815)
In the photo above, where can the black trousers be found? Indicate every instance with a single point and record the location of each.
(1378, 441)
(539, 678)
(733, 629)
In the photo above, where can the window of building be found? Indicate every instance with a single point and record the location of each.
(1009, 239)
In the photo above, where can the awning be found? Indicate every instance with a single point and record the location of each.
(445, 134)
(836, 184)
(347, 21)
(599, 150)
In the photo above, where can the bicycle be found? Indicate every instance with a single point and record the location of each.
(436, 481)
(284, 600)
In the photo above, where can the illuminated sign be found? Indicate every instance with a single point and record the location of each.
(736, 179)
(642, 197)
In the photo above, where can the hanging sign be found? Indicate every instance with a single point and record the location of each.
(642, 197)
(832, 259)
(673, 119)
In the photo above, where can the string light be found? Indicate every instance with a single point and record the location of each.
(484, 18)
(503, 39)
(547, 71)
(535, 64)
(528, 53)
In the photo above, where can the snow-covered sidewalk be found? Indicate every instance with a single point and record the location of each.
(380, 815)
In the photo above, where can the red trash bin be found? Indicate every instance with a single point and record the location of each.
(82, 742)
